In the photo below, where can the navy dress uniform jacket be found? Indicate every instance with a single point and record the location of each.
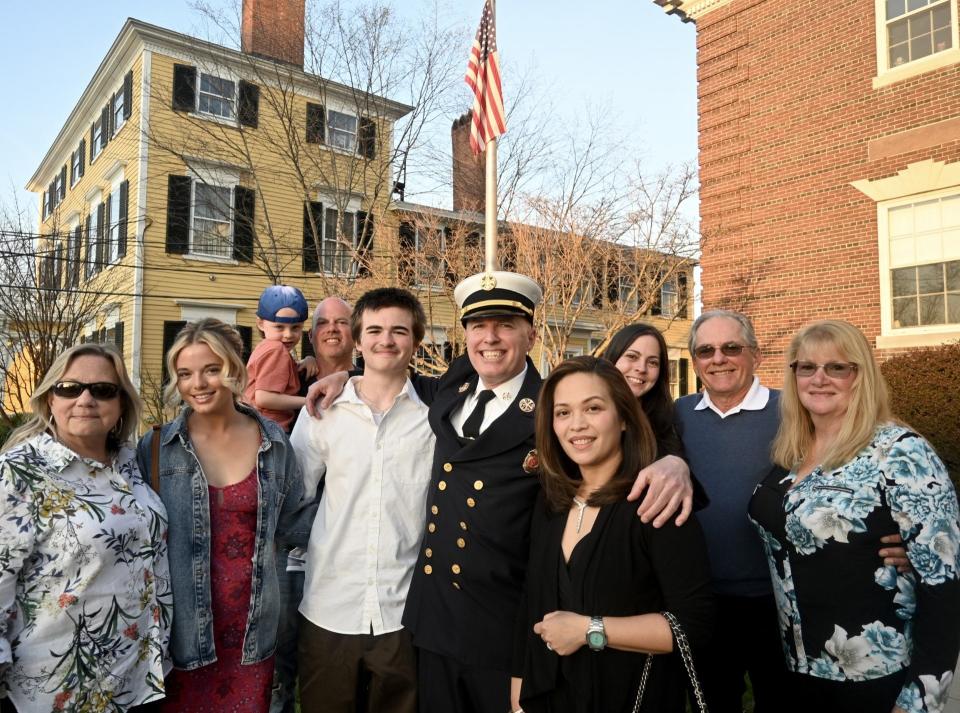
(466, 588)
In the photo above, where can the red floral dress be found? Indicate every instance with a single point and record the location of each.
(226, 686)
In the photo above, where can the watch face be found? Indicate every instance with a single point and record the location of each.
(596, 639)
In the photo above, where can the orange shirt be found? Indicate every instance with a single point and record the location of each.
(271, 368)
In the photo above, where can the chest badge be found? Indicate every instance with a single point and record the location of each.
(463, 387)
(527, 405)
(531, 464)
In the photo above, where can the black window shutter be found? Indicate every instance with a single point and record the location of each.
(93, 129)
(124, 199)
(184, 87)
(246, 336)
(118, 336)
(316, 123)
(105, 126)
(178, 214)
(684, 377)
(367, 138)
(90, 252)
(306, 346)
(249, 105)
(364, 242)
(44, 206)
(682, 296)
(408, 253)
(73, 176)
(656, 307)
(107, 237)
(170, 332)
(244, 205)
(63, 182)
(83, 155)
(101, 233)
(73, 266)
(127, 94)
(311, 258)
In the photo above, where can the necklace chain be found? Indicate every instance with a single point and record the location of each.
(581, 506)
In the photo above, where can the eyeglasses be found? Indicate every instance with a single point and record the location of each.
(833, 369)
(730, 349)
(100, 390)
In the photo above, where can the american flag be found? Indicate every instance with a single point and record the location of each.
(483, 77)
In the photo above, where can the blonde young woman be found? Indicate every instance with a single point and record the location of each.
(232, 487)
(857, 636)
(84, 583)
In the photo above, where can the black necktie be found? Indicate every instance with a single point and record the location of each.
(471, 427)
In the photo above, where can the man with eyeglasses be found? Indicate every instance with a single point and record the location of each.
(727, 432)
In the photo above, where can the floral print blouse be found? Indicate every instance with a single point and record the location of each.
(85, 601)
(844, 616)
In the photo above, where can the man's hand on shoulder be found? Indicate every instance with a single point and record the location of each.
(322, 393)
(668, 489)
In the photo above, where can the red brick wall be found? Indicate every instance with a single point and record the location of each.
(469, 171)
(787, 109)
(274, 29)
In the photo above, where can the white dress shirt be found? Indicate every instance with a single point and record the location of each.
(366, 536)
(754, 400)
(503, 396)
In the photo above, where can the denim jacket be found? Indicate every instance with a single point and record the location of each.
(283, 521)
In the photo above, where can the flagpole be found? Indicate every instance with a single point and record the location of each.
(490, 215)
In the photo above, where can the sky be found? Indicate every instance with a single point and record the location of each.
(626, 57)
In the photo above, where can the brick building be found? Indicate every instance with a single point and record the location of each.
(830, 166)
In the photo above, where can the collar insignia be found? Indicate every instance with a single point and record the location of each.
(463, 387)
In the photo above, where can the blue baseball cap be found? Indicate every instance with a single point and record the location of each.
(278, 297)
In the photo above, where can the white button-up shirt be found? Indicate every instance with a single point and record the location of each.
(503, 396)
(754, 400)
(366, 536)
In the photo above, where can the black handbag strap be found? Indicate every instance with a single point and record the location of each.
(686, 654)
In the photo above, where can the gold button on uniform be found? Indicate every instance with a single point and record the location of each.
(471, 502)
(456, 569)
(442, 485)
(428, 552)
(435, 510)
(461, 543)
(478, 485)
(431, 527)
(463, 526)
(428, 569)
(447, 467)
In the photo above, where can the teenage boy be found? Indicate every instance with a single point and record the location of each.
(373, 448)
(273, 384)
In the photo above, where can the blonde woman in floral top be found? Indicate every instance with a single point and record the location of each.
(84, 583)
(857, 637)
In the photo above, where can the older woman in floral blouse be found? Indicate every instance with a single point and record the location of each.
(84, 585)
(857, 637)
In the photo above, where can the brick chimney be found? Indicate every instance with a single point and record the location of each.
(273, 29)
(469, 173)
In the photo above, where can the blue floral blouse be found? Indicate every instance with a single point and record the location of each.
(844, 616)
(85, 601)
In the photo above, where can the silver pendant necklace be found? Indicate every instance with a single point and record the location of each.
(581, 506)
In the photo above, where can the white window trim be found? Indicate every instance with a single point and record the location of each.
(89, 247)
(191, 311)
(218, 73)
(212, 176)
(887, 75)
(353, 206)
(113, 112)
(76, 176)
(110, 227)
(97, 147)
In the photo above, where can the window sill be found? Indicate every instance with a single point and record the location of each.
(896, 340)
(917, 67)
(216, 119)
(194, 257)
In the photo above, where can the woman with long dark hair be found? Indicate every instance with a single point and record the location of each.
(601, 584)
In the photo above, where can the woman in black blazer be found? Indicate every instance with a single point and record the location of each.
(598, 577)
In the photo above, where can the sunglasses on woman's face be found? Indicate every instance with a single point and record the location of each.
(100, 390)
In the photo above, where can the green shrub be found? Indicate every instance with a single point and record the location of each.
(925, 393)
(7, 424)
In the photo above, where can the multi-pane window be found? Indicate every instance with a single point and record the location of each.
(341, 130)
(339, 241)
(113, 227)
(96, 139)
(916, 28)
(93, 241)
(925, 262)
(117, 111)
(76, 166)
(216, 96)
(212, 233)
(669, 297)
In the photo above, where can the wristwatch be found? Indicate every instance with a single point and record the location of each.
(596, 635)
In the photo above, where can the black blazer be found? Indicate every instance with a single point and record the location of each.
(622, 567)
(467, 584)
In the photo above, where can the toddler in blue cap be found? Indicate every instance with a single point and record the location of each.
(273, 381)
